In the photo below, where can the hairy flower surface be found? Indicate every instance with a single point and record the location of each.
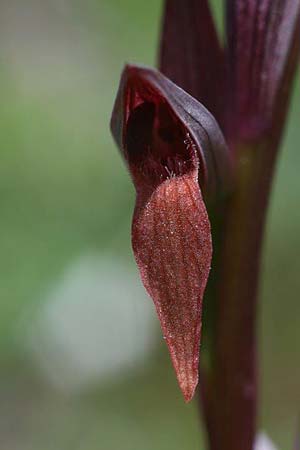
(172, 146)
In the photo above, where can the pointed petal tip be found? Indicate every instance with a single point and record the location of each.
(185, 358)
(189, 391)
(187, 382)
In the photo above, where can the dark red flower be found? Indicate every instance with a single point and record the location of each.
(172, 146)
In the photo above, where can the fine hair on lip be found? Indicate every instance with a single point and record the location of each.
(157, 146)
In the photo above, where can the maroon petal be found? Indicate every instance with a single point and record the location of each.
(263, 48)
(168, 139)
(190, 53)
(172, 245)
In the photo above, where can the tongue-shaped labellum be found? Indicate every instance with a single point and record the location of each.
(171, 235)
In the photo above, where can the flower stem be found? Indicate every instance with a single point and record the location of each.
(231, 385)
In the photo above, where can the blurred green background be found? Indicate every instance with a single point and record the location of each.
(82, 362)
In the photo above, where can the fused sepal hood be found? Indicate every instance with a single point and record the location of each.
(172, 146)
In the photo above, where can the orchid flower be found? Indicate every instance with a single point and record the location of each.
(200, 139)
